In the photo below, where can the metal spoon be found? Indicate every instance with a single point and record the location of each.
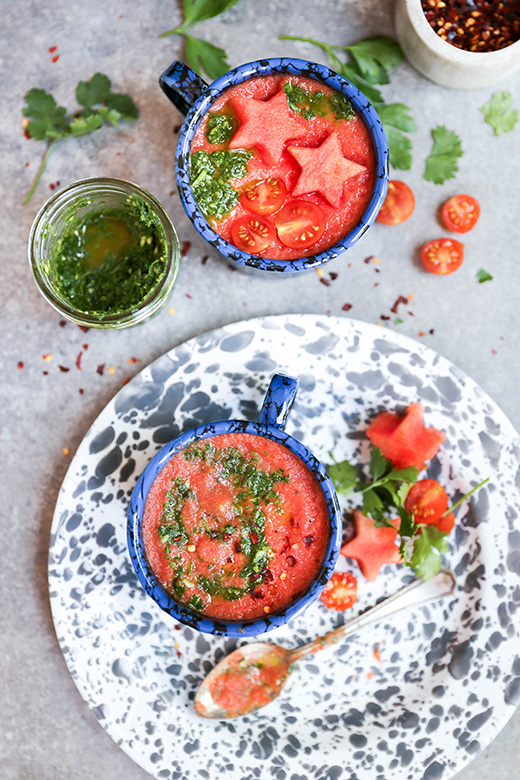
(254, 674)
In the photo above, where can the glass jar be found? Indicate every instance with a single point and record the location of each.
(74, 204)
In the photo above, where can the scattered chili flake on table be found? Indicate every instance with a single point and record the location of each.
(78, 360)
(55, 58)
(81, 327)
(52, 49)
(64, 369)
(100, 369)
(20, 364)
(478, 25)
(66, 451)
(47, 357)
(185, 248)
(346, 307)
(399, 300)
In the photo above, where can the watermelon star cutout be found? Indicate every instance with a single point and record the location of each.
(324, 169)
(267, 125)
(372, 547)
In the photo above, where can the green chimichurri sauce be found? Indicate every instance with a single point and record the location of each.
(108, 261)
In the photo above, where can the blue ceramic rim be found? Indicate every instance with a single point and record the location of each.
(295, 67)
(188, 616)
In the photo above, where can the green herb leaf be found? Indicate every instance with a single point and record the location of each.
(379, 465)
(49, 120)
(397, 115)
(343, 475)
(442, 161)
(204, 56)
(97, 90)
(83, 125)
(350, 72)
(399, 147)
(124, 105)
(499, 112)
(375, 57)
(428, 548)
(483, 276)
(196, 11)
(219, 128)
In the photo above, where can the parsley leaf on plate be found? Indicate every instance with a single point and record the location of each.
(196, 11)
(499, 112)
(428, 547)
(344, 476)
(376, 56)
(47, 121)
(442, 161)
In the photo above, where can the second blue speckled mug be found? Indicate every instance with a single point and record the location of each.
(193, 97)
(271, 422)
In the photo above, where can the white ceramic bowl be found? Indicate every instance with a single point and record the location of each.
(444, 63)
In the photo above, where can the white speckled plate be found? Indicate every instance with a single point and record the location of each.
(413, 699)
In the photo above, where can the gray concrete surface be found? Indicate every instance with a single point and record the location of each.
(46, 730)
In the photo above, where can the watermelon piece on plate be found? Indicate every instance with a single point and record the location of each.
(405, 441)
(373, 546)
(324, 169)
(266, 125)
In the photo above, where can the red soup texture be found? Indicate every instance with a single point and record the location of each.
(235, 526)
(282, 166)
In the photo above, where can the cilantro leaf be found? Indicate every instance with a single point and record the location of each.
(375, 56)
(50, 122)
(428, 548)
(483, 276)
(48, 118)
(97, 90)
(379, 465)
(350, 72)
(399, 147)
(204, 56)
(442, 161)
(397, 115)
(196, 11)
(343, 475)
(499, 112)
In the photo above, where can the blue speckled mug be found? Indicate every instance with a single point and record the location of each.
(194, 98)
(272, 419)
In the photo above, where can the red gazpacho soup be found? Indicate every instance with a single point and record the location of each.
(235, 526)
(282, 166)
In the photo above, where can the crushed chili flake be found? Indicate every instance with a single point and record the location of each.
(400, 299)
(185, 248)
(78, 360)
(188, 296)
(100, 368)
(172, 192)
(421, 333)
(52, 49)
(176, 129)
(66, 451)
(62, 323)
(377, 654)
(346, 307)
(324, 281)
(204, 260)
(474, 25)
(82, 327)
(81, 391)
(45, 373)
(133, 360)
(368, 259)
(63, 368)
(85, 346)
(47, 357)
(56, 58)
(27, 164)
(431, 331)
(385, 316)
(333, 275)
(20, 364)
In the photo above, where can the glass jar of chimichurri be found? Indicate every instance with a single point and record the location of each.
(104, 253)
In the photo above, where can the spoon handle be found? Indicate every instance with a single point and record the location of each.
(417, 592)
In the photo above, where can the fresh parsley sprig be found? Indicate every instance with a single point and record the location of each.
(370, 63)
(441, 163)
(383, 495)
(48, 121)
(201, 55)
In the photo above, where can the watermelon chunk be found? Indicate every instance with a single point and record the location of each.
(266, 125)
(404, 441)
(373, 546)
(324, 169)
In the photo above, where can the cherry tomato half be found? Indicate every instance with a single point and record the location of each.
(252, 234)
(340, 592)
(300, 224)
(442, 255)
(264, 197)
(398, 204)
(427, 501)
(460, 213)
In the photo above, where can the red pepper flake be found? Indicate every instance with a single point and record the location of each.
(188, 296)
(254, 537)
(172, 192)
(493, 352)
(100, 369)
(62, 323)
(177, 627)
(45, 373)
(291, 561)
(308, 540)
(377, 654)
(185, 248)
(26, 134)
(78, 360)
(176, 129)
(421, 333)
(133, 360)
(325, 282)
(368, 259)
(478, 26)
(204, 260)
(126, 381)
(81, 327)
(411, 314)
(399, 300)
(20, 364)
(333, 275)
(81, 391)
(56, 58)
(53, 185)
(346, 307)
(64, 369)
(52, 49)
(85, 346)
(431, 331)
(178, 653)
(384, 317)
(27, 164)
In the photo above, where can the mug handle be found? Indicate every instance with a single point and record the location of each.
(278, 401)
(182, 85)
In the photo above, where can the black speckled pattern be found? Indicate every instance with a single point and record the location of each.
(446, 677)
